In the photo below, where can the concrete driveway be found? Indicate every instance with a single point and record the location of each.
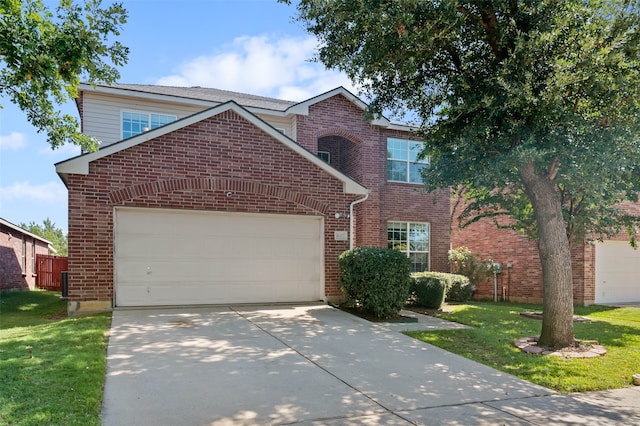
(313, 365)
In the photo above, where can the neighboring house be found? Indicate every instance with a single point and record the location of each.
(18, 251)
(204, 196)
(606, 272)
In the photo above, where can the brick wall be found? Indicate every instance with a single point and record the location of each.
(523, 281)
(337, 125)
(193, 168)
(12, 275)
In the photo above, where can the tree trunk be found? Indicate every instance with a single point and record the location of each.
(555, 256)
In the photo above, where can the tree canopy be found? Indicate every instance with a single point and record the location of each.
(531, 108)
(44, 55)
(50, 232)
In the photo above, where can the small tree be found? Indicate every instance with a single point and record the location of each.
(43, 56)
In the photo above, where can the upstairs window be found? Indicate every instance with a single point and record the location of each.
(402, 160)
(325, 156)
(134, 123)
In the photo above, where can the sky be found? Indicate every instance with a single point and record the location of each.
(249, 46)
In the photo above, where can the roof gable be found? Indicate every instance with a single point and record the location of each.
(23, 231)
(80, 164)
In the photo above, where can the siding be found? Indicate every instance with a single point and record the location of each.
(102, 114)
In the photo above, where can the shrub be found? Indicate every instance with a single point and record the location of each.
(429, 289)
(375, 279)
(459, 289)
(464, 262)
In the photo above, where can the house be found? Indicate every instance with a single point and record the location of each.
(18, 251)
(604, 272)
(205, 196)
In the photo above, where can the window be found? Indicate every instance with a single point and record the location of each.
(33, 256)
(402, 160)
(325, 156)
(413, 239)
(23, 263)
(134, 123)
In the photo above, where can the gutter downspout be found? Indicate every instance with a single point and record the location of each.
(351, 223)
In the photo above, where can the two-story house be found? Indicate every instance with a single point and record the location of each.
(204, 196)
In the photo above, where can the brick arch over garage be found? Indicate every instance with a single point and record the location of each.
(216, 184)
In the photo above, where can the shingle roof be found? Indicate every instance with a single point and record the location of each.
(212, 95)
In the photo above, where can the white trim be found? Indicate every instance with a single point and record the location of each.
(302, 108)
(23, 231)
(80, 164)
(130, 93)
(407, 251)
(328, 155)
(140, 112)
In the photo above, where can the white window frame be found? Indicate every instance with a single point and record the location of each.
(33, 256)
(407, 244)
(327, 154)
(408, 161)
(148, 114)
(23, 260)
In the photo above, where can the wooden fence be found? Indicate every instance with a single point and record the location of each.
(49, 270)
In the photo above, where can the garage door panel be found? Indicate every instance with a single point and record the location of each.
(617, 273)
(173, 257)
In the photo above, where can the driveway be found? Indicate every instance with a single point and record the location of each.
(315, 365)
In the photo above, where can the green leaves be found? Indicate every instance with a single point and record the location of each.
(50, 232)
(44, 56)
(499, 84)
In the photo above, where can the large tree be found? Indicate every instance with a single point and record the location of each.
(44, 55)
(530, 107)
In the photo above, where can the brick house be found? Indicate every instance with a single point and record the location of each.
(204, 196)
(18, 251)
(606, 272)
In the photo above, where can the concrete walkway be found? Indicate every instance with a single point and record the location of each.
(316, 365)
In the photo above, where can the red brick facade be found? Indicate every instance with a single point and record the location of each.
(522, 281)
(17, 258)
(193, 168)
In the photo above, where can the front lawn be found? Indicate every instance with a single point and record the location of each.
(52, 368)
(497, 325)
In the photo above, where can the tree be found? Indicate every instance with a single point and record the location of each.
(50, 232)
(530, 108)
(44, 56)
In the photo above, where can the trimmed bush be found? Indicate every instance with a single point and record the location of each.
(459, 289)
(375, 279)
(429, 289)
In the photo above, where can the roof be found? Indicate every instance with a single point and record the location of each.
(23, 231)
(80, 164)
(256, 104)
(207, 94)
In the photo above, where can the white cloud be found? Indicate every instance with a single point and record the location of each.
(262, 65)
(67, 150)
(13, 141)
(25, 191)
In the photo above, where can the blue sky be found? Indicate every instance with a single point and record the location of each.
(250, 46)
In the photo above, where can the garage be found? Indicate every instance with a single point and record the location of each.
(177, 257)
(617, 273)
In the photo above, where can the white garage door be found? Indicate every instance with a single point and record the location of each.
(617, 273)
(174, 257)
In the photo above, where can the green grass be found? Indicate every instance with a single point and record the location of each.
(62, 383)
(497, 325)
